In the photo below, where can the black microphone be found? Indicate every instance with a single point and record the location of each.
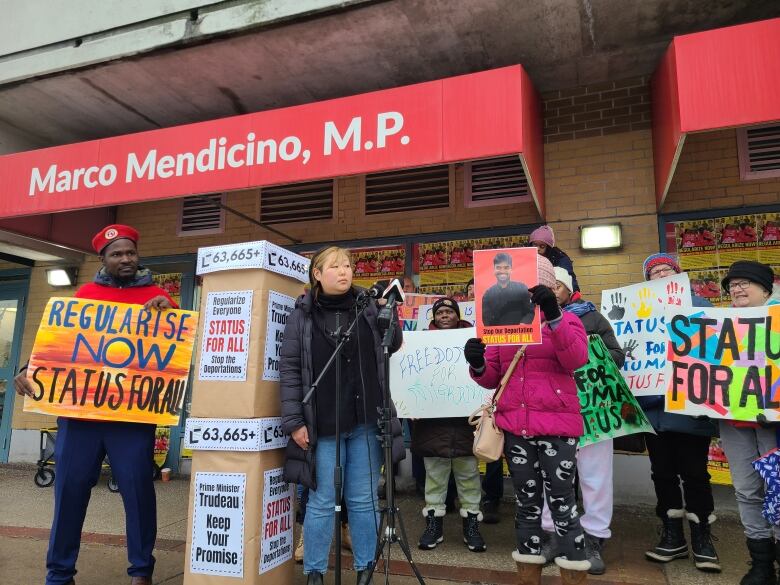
(374, 292)
(393, 294)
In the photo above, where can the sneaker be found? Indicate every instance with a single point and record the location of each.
(471, 535)
(704, 555)
(672, 544)
(593, 546)
(434, 531)
(549, 547)
(490, 513)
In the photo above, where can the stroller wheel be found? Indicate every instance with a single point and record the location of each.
(113, 486)
(44, 477)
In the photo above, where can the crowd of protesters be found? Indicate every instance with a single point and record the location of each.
(539, 413)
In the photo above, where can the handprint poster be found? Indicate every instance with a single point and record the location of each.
(724, 363)
(637, 314)
(505, 314)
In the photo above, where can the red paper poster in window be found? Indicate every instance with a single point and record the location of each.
(768, 228)
(505, 313)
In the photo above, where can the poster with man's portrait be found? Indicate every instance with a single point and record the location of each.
(505, 314)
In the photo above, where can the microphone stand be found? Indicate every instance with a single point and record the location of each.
(390, 515)
(338, 472)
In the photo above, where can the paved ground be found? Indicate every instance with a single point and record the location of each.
(25, 516)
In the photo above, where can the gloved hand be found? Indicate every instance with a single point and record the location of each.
(474, 352)
(545, 298)
(766, 423)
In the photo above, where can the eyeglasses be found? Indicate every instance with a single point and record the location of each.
(739, 284)
(661, 271)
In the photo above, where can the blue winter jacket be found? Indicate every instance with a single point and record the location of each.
(678, 423)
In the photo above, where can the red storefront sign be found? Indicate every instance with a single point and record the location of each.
(473, 116)
(714, 79)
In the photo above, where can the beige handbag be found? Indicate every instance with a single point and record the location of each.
(488, 438)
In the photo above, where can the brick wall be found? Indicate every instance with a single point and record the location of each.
(596, 110)
(707, 176)
(603, 179)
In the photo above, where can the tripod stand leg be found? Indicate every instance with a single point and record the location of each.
(404, 543)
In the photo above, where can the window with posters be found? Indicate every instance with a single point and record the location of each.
(706, 246)
(446, 267)
(436, 268)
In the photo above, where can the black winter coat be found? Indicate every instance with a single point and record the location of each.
(295, 379)
(596, 324)
(443, 437)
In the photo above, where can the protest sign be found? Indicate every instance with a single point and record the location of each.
(277, 531)
(724, 363)
(429, 377)
(111, 361)
(226, 322)
(279, 307)
(504, 311)
(218, 524)
(608, 408)
(409, 309)
(637, 316)
(425, 314)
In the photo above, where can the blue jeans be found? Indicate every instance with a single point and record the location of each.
(361, 463)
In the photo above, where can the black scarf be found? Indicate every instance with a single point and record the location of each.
(328, 313)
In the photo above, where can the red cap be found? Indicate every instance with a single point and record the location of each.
(111, 233)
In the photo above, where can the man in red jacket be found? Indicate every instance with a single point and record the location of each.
(82, 444)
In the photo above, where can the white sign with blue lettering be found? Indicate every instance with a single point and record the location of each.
(429, 377)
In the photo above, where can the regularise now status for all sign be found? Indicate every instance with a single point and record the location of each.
(111, 361)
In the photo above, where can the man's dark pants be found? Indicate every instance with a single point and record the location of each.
(79, 451)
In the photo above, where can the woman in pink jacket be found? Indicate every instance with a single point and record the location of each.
(539, 413)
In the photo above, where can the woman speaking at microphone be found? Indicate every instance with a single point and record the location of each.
(309, 340)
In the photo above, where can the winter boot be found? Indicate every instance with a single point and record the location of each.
(777, 558)
(762, 570)
(704, 555)
(298, 554)
(346, 539)
(365, 577)
(573, 572)
(529, 568)
(672, 544)
(490, 511)
(314, 578)
(593, 546)
(471, 535)
(434, 529)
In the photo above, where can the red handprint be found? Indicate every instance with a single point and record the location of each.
(675, 292)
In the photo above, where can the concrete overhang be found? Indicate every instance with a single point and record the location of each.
(723, 78)
(241, 56)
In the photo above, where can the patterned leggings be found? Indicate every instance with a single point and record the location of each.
(545, 462)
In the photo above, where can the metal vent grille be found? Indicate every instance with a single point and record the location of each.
(408, 190)
(198, 216)
(496, 180)
(760, 151)
(298, 202)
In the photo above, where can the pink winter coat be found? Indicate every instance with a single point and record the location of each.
(541, 396)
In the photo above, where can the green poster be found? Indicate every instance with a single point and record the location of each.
(609, 409)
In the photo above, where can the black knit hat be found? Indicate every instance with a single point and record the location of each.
(446, 302)
(753, 271)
